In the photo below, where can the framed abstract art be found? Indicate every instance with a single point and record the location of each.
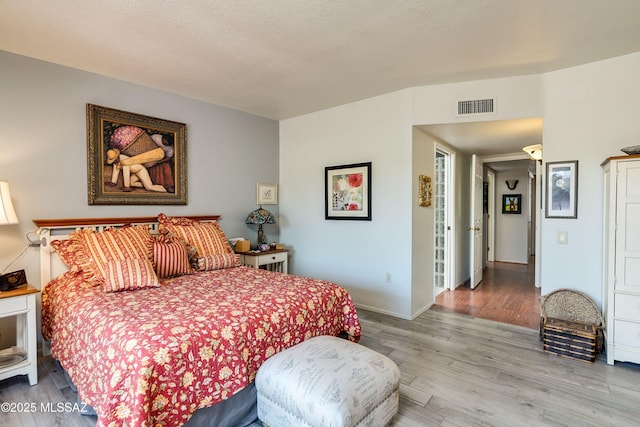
(348, 192)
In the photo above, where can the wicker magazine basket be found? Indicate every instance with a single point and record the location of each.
(572, 306)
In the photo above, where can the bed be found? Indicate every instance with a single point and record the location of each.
(178, 348)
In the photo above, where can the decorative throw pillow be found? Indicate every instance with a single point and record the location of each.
(170, 257)
(99, 248)
(206, 237)
(217, 262)
(128, 274)
(69, 252)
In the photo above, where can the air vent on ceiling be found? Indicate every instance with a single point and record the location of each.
(476, 107)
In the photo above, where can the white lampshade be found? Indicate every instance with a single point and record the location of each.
(7, 214)
(534, 151)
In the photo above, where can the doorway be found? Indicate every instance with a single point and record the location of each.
(507, 292)
(492, 141)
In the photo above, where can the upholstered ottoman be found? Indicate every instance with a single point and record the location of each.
(327, 382)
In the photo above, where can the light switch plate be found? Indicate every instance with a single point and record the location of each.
(562, 237)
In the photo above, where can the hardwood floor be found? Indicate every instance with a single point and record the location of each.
(506, 294)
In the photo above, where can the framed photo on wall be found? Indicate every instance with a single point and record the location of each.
(347, 192)
(512, 203)
(562, 190)
(424, 191)
(134, 159)
(267, 194)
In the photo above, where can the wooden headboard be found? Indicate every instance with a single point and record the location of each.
(59, 229)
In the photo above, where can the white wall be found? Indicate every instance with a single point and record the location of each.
(355, 254)
(43, 151)
(516, 97)
(43, 147)
(590, 112)
(511, 243)
(423, 230)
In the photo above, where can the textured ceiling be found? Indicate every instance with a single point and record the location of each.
(283, 58)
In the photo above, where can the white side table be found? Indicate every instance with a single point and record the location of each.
(22, 304)
(275, 260)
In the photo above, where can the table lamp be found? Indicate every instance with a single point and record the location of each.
(7, 214)
(260, 216)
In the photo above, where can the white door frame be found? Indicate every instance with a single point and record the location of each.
(538, 219)
(491, 216)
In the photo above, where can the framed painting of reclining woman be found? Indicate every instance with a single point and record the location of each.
(134, 159)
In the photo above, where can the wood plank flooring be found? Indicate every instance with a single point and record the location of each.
(457, 370)
(506, 294)
(52, 389)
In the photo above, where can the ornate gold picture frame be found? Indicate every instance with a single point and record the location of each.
(424, 195)
(134, 159)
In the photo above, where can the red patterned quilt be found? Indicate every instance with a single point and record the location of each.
(152, 357)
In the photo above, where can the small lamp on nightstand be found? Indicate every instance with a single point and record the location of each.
(260, 216)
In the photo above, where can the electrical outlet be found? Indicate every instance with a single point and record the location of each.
(388, 277)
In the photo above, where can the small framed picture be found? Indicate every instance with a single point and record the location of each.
(511, 203)
(562, 190)
(267, 194)
(347, 192)
(424, 195)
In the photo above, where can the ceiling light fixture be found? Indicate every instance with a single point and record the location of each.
(534, 151)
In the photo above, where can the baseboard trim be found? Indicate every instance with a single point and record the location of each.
(381, 311)
(419, 312)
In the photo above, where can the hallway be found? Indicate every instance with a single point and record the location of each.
(506, 294)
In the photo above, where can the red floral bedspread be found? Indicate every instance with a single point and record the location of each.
(153, 356)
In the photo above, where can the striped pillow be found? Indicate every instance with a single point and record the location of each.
(129, 274)
(206, 237)
(217, 262)
(97, 249)
(170, 257)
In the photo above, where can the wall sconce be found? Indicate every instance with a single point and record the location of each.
(534, 151)
(511, 184)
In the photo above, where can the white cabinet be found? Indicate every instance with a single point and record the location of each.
(275, 260)
(621, 291)
(21, 303)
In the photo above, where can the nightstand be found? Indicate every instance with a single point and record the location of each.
(22, 304)
(275, 260)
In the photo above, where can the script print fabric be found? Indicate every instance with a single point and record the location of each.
(151, 357)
